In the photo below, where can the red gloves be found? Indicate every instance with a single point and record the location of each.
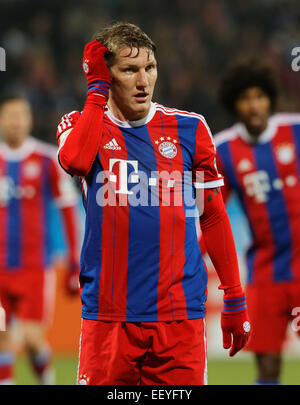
(95, 69)
(77, 153)
(234, 320)
(72, 279)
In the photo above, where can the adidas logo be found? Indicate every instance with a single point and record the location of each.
(112, 145)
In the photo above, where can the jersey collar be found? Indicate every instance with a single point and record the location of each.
(132, 124)
(20, 153)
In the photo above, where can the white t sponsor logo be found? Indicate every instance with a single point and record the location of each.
(123, 174)
(257, 185)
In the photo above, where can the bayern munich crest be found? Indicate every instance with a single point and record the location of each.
(32, 170)
(285, 153)
(85, 66)
(167, 148)
(246, 326)
(83, 379)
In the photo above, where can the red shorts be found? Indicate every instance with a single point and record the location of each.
(147, 353)
(270, 311)
(28, 295)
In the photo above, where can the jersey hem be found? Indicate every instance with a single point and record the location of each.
(142, 318)
(267, 283)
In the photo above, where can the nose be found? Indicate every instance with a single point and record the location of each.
(254, 104)
(142, 79)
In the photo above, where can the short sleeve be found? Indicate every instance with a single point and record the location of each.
(67, 123)
(205, 172)
(65, 127)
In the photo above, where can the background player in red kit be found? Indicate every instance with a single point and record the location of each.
(260, 159)
(142, 275)
(30, 179)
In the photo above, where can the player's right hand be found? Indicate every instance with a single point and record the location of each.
(72, 279)
(95, 68)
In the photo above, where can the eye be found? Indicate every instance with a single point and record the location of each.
(128, 70)
(150, 67)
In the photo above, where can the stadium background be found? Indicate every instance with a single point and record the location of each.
(196, 40)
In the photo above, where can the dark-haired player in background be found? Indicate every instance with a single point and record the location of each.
(260, 159)
(30, 179)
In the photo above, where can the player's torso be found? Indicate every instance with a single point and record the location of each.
(136, 210)
(163, 144)
(265, 176)
(147, 167)
(24, 198)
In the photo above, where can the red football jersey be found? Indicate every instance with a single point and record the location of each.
(30, 180)
(266, 177)
(140, 258)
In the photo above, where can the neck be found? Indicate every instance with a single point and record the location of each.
(15, 143)
(256, 131)
(126, 115)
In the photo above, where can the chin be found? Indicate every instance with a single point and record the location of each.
(256, 129)
(141, 110)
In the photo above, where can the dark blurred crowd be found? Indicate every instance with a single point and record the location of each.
(196, 40)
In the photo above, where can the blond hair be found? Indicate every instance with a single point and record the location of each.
(122, 35)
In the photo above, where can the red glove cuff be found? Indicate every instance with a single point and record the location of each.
(234, 300)
(95, 98)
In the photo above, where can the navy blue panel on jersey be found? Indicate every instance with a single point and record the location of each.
(278, 217)
(250, 262)
(46, 195)
(225, 154)
(195, 279)
(226, 157)
(14, 218)
(90, 260)
(296, 135)
(142, 286)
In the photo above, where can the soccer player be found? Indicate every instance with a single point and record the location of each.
(143, 279)
(259, 158)
(30, 179)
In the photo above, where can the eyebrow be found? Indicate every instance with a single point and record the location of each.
(132, 64)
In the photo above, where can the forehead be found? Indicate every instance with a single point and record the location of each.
(253, 91)
(16, 104)
(134, 55)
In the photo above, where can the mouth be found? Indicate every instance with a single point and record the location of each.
(255, 119)
(141, 96)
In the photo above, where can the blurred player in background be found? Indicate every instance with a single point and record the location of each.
(260, 159)
(142, 275)
(30, 179)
